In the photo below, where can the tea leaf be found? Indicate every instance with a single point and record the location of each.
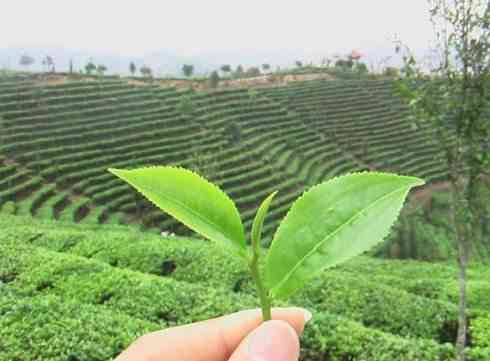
(192, 200)
(332, 222)
(260, 217)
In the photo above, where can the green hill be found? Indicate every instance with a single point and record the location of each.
(57, 142)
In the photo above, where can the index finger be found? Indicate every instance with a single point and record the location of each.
(212, 340)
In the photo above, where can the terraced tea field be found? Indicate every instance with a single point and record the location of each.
(81, 292)
(77, 285)
(57, 142)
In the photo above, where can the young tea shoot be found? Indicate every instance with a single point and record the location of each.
(329, 224)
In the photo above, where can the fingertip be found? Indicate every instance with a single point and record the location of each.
(297, 317)
(274, 340)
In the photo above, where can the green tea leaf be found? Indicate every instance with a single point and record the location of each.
(192, 200)
(331, 223)
(260, 217)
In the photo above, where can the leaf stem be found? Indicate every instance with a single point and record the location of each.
(265, 302)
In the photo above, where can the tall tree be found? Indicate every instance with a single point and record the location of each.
(298, 63)
(453, 97)
(188, 70)
(239, 71)
(132, 68)
(214, 79)
(48, 62)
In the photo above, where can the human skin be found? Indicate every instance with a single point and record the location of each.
(241, 336)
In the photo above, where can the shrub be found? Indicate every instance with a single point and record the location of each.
(480, 331)
(9, 207)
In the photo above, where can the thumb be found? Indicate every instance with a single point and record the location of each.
(271, 341)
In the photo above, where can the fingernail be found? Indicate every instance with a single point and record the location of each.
(307, 315)
(274, 341)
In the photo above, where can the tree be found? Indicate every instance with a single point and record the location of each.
(362, 68)
(226, 69)
(101, 69)
(188, 70)
(253, 71)
(48, 62)
(391, 72)
(453, 98)
(26, 60)
(185, 106)
(298, 63)
(146, 71)
(239, 71)
(345, 63)
(90, 67)
(71, 66)
(266, 67)
(132, 68)
(214, 79)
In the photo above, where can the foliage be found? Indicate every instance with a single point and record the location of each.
(226, 68)
(90, 67)
(453, 97)
(48, 62)
(345, 63)
(57, 288)
(391, 72)
(26, 60)
(233, 133)
(188, 70)
(266, 67)
(239, 71)
(8, 208)
(480, 331)
(132, 68)
(146, 71)
(214, 79)
(101, 69)
(362, 68)
(317, 229)
(212, 214)
(185, 106)
(206, 164)
(305, 243)
(74, 131)
(253, 71)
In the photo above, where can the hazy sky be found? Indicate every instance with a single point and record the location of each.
(139, 27)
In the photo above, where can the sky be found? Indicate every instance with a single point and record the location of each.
(137, 28)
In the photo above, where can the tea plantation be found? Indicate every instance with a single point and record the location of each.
(58, 141)
(83, 267)
(81, 292)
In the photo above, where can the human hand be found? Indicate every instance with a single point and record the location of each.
(237, 337)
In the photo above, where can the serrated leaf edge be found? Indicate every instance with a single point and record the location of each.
(314, 249)
(242, 241)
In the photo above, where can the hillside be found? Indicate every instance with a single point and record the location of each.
(57, 142)
(81, 292)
